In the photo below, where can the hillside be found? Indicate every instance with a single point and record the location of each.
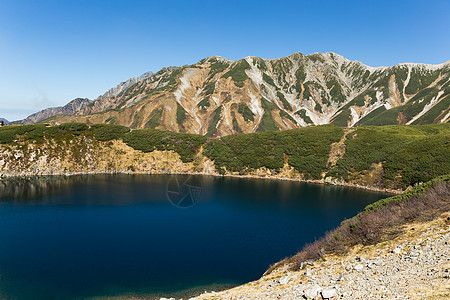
(385, 157)
(217, 96)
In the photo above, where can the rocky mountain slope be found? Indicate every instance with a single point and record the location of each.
(217, 96)
(69, 109)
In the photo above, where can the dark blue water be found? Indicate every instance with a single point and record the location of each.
(89, 236)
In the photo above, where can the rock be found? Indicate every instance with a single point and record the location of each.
(312, 292)
(284, 280)
(308, 272)
(414, 254)
(358, 267)
(396, 251)
(329, 293)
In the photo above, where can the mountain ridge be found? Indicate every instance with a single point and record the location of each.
(217, 96)
(70, 108)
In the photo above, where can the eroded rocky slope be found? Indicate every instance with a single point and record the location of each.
(70, 108)
(216, 96)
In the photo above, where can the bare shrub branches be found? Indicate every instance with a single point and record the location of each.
(376, 225)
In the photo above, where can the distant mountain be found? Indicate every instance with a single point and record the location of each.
(217, 96)
(69, 109)
(4, 120)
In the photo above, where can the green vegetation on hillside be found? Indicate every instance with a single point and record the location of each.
(9, 134)
(209, 88)
(212, 128)
(420, 79)
(107, 132)
(217, 67)
(283, 100)
(181, 116)
(235, 123)
(267, 123)
(246, 113)
(369, 119)
(414, 106)
(439, 110)
(155, 119)
(336, 92)
(237, 72)
(204, 103)
(268, 79)
(306, 149)
(304, 116)
(342, 118)
(409, 154)
(401, 155)
(284, 114)
(148, 140)
(111, 120)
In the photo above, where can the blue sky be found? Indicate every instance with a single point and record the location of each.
(54, 51)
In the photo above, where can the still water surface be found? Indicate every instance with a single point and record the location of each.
(84, 237)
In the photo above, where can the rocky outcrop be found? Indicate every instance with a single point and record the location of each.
(84, 155)
(124, 85)
(70, 108)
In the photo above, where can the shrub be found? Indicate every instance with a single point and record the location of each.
(381, 221)
(306, 149)
(107, 132)
(148, 140)
(409, 154)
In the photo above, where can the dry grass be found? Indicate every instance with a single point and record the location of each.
(382, 224)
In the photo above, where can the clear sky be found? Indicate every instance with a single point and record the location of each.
(54, 51)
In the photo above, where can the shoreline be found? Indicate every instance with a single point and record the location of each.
(208, 289)
(314, 181)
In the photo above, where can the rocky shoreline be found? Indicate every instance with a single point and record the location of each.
(415, 265)
(85, 156)
(336, 183)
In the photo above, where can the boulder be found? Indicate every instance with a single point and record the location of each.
(358, 267)
(284, 280)
(313, 292)
(329, 293)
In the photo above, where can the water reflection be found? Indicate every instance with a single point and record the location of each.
(34, 188)
(104, 235)
(103, 189)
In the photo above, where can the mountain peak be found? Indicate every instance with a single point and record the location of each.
(218, 96)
